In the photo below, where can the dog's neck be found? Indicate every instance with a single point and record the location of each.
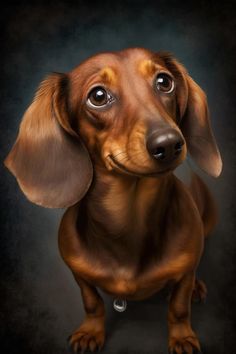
(119, 204)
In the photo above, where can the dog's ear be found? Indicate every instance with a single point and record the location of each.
(50, 162)
(194, 119)
(196, 127)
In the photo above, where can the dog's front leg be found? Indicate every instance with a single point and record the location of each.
(182, 338)
(91, 333)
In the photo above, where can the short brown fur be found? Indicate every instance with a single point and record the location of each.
(132, 227)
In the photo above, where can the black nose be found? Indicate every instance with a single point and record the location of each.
(165, 145)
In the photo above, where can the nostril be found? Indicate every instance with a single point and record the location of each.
(178, 148)
(159, 153)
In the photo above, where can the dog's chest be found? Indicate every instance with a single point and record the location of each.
(128, 282)
(133, 264)
(126, 207)
(129, 213)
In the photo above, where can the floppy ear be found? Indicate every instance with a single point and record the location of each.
(50, 162)
(194, 119)
(196, 128)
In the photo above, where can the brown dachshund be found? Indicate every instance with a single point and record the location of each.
(104, 140)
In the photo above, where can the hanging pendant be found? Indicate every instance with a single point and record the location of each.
(120, 305)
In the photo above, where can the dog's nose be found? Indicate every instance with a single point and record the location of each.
(166, 145)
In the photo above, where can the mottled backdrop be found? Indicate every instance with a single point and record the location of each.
(41, 303)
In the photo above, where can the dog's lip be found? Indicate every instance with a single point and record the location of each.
(121, 167)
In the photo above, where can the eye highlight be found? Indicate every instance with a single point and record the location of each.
(164, 83)
(99, 97)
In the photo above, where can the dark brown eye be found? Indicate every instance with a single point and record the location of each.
(98, 97)
(165, 83)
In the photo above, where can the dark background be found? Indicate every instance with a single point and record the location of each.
(41, 304)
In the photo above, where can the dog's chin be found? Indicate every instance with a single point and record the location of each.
(120, 168)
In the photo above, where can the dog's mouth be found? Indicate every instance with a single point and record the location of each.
(117, 165)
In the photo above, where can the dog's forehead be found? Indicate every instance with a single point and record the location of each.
(131, 55)
(112, 63)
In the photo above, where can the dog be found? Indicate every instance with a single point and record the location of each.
(103, 141)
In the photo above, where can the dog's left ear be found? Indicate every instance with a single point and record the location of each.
(194, 119)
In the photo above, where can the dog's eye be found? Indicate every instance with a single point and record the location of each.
(98, 97)
(165, 83)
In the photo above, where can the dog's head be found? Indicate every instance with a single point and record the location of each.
(134, 112)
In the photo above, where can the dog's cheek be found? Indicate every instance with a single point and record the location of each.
(88, 134)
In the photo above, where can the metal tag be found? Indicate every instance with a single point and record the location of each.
(120, 305)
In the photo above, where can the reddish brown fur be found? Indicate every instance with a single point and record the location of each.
(137, 228)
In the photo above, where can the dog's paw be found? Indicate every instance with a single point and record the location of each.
(199, 291)
(79, 342)
(187, 345)
(90, 336)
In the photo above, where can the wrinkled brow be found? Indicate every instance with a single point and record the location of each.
(148, 67)
(108, 75)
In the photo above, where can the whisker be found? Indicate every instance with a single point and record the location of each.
(122, 152)
(128, 158)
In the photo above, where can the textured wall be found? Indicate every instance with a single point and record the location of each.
(42, 302)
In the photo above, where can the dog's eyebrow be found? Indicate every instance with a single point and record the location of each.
(147, 67)
(108, 75)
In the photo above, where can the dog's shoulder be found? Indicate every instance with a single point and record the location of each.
(182, 210)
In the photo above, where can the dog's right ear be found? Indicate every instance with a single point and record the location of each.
(50, 162)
